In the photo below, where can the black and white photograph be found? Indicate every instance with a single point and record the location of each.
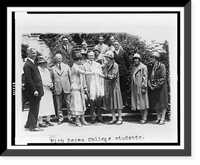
(97, 78)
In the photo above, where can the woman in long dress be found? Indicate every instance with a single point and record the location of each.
(78, 90)
(46, 103)
(113, 97)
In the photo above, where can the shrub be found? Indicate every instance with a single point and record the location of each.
(130, 43)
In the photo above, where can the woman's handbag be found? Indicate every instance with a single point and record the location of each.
(144, 83)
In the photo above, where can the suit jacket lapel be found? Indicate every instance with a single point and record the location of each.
(120, 52)
(136, 70)
(64, 51)
(62, 68)
(110, 68)
(117, 56)
(33, 65)
(58, 70)
(30, 62)
(69, 49)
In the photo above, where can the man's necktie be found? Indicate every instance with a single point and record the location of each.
(59, 66)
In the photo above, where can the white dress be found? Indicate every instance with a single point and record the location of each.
(46, 102)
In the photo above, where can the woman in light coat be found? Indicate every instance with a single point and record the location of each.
(139, 96)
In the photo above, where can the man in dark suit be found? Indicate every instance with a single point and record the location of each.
(33, 89)
(67, 52)
(122, 59)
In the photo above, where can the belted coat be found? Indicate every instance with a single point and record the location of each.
(112, 92)
(139, 75)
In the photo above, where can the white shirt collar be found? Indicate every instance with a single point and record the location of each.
(90, 62)
(59, 64)
(31, 60)
(117, 51)
(65, 46)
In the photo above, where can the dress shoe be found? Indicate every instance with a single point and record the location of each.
(78, 124)
(84, 123)
(36, 129)
(26, 128)
(93, 121)
(70, 120)
(60, 122)
(162, 122)
(112, 122)
(42, 125)
(119, 122)
(100, 121)
(156, 122)
(48, 123)
(143, 121)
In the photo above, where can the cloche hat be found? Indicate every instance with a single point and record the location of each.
(136, 55)
(109, 54)
(96, 49)
(41, 60)
(155, 55)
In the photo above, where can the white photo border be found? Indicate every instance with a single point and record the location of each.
(10, 58)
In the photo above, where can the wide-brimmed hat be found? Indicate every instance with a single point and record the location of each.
(109, 54)
(41, 60)
(136, 55)
(155, 55)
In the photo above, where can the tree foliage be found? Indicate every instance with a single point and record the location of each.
(130, 43)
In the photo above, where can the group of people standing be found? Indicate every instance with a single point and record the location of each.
(93, 79)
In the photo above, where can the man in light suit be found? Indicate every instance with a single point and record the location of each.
(101, 46)
(94, 86)
(33, 89)
(61, 77)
